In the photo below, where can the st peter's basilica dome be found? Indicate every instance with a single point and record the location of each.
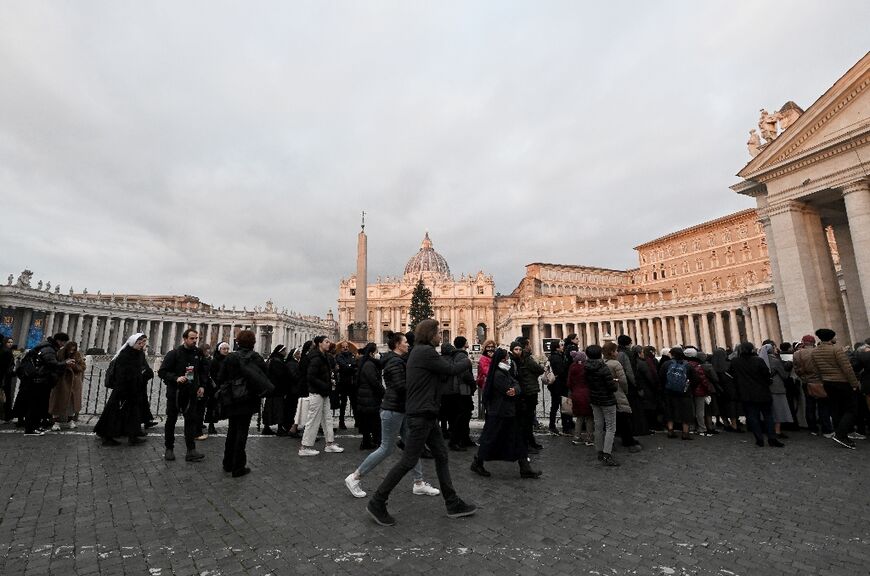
(427, 260)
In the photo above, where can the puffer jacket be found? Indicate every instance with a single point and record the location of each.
(832, 364)
(529, 373)
(394, 378)
(370, 391)
(804, 367)
(319, 373)
(602, 386)
(752, 378)
(621, 393)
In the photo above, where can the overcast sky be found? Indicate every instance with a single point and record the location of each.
(226, 149)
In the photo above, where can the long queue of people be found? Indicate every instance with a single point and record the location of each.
(687, 393)
(419, 397)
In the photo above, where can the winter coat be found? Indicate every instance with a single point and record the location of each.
(560, 371)
(347, 367)
(482, 370)
(602, 386)
(621, 393)
(832, 364)
(628, 359)
(463, 383)
(66, 396)
(779, 373)
(425, 374)
(579, 389)
(647, 383)
(529, 373)
(319, 375)
(751, 378)
(247, 364)
(498, 403)
(804, 368)
(862, 360)
(370, 389)
(296, 389)
(394, 379)
(175, 364)
(700, 384)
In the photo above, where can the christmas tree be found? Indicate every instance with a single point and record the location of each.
(421, 304)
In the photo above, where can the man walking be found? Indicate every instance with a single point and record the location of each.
(425, 373)
(184, 374)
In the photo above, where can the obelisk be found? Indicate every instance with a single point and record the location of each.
(361, 313)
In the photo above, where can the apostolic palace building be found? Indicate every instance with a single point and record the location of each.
(799, 262)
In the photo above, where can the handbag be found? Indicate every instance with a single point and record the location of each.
(816, 390)
(301, 412)
(567, 406)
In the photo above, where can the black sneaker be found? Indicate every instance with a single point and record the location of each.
(459, 509)
(845, 442)
(379, 514)
(169, 455)
(477, 468)
(194, 456)
(608, 460)
(242, 472)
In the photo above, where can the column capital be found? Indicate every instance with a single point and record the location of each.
(862, 185)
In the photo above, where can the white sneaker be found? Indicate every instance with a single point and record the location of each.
(828, 435)
(425, 489)
(308, 452)
(72, 425)
(55, 427)
(857, 436)
(334, 448)
(353, 485)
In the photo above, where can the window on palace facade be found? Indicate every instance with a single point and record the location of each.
(699, 265)
(726, 236)
(711, 240)
(685, 267)
(353, 291)
(717, 283)
(702, 286)
(714, 259)
(745, 252)
(480, 290)
(673, 269)
(696, 245)
(683, 247)
(729, 256)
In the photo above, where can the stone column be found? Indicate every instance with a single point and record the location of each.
(651, 329)
(107, 328)
(666, 336)
(26, 318)
(49, 326)
(120, 336)
(719, 326)
(806, 270)
(678, 330)
(588, 332)
(735, 329)
(64, 326)
(857, 198)
(80, 330)
(173, 332)
(706, 342)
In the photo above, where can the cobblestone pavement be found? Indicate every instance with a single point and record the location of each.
(712, 506)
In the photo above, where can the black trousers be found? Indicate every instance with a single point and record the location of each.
(841, 400)
(755, 413)
(181, 401)
(460, 421)
(526, 416)
(36, 395)
(624, 428)
(9, 390)
(346, 393)
(421, 431)
(235, 457)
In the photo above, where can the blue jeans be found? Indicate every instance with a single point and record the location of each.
(391, 425)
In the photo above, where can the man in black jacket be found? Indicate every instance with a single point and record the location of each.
(425, 373)
(184, 374)
(463, 387)
(37, 388)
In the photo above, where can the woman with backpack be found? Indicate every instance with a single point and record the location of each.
(242, 369)
(679, 406)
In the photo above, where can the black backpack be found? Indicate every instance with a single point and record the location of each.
(31, 368)
(236, 390)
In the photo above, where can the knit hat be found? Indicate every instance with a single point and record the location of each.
(578, 356)
(691, 352)
(808, 339)
(825, 334)
(666, 352)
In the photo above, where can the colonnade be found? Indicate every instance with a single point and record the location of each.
(723, 328)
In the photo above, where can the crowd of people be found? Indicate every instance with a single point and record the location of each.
(419, 397)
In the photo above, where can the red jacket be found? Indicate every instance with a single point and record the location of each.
(579, 389)
(482, 370)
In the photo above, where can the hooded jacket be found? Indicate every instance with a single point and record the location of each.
(602, 385)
